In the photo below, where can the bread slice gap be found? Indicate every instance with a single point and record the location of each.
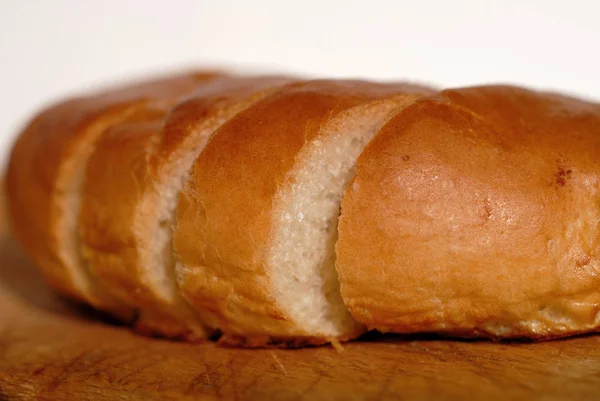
(116, 177)
(303, 271)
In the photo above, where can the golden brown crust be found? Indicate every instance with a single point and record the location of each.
(475, 213)
(208, 107)
(115, 175)
(45, 167)
(27, 182)
(126, 178)
(224, 220)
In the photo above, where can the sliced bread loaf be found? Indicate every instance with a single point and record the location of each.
(46, 172)
(256, 223)
(133, 182)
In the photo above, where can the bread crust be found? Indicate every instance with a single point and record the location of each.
(475, 213)
(46, 166)
(224, 219)
(132, 170)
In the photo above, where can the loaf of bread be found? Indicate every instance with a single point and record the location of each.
(207, 204)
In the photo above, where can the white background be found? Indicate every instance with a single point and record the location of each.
(49, 48)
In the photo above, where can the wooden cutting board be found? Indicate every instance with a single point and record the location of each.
(52, 351)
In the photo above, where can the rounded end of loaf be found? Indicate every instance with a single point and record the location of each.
(473, 214)
(28, 191)
(38, 200)
(46, 173)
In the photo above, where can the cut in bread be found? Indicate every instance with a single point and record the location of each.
(133, 182)
(256, 222)
(116, 176)
(46, 171)
(476, 213)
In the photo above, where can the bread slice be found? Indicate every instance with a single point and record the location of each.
(133, 181)
(256, 222)
(115, 178)
(46, 171)
(476, 213)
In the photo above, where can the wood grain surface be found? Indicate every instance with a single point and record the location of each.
(50, 350)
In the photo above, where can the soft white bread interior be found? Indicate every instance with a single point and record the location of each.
(256, 223)
(476, 213)
(46, 171)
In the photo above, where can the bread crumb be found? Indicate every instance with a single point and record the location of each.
(279, 363)
(337, 345)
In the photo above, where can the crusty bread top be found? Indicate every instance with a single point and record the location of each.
(209, 106)
(224, 222)
(42, 166)
(476, 212)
